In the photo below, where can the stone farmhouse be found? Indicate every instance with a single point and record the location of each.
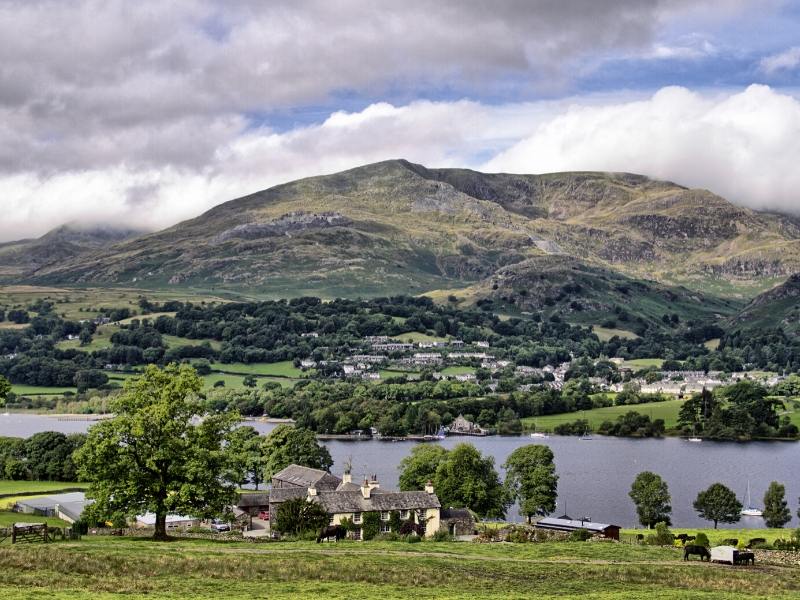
(343, 499)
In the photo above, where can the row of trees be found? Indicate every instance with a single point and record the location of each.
(718, 503)
(45, 456)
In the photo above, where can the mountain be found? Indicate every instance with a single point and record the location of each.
(778, 307)
(395, 227)
(23, 257)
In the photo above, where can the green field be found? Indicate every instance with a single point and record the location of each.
(20, 488)
(8, 518)
(37, 390)
(416, 337)
(716, 536)
(173, 341)
(457, 370)
(606, 333)
(108, 567)
(655, 410)
(283, 368)
(643, 363)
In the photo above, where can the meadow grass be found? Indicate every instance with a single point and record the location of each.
(105, 567)
(35, 487)
(716, 536)
(457, 370)
(643, 363)
(667, 410)
(38, 390)
(8, 518)
(284, 368)
(606, 333)
(415, 337)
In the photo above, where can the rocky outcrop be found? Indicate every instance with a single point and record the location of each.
(284, 225)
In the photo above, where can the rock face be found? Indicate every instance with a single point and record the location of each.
(395, 227)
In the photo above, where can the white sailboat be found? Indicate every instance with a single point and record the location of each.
(750, 510)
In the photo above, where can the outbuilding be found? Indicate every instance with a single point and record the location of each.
(569, 525)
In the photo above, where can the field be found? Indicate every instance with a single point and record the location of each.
(415, 337)
(606, 333)
(35, 487)
(655, 410)
(716, 536)
(277, 369)
(106, 567)
(36, 390)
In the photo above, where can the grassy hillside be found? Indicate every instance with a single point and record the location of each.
(115, 568)
(655, 410)
(398, 227)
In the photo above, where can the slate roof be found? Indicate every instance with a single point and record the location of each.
(307, 477)
(347, 502)
(277, 495)
(73, 510)
(455, 513)
(247, 500)
(49, 502)
(572, 525)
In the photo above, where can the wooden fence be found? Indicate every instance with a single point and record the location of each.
(29, 533)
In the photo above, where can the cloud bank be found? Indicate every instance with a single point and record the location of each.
(744, 146)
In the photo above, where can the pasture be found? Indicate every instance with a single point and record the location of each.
(108, 567)
(655, 410)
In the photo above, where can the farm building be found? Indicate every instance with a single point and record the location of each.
(343, 499)
(570, 525)
(457, 521)
(68, 507)
(174, 522)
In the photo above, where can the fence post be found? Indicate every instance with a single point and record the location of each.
(45, 534)
(14, 533)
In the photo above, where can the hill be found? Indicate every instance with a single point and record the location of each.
(395, 227)
(23, 257)
(778, 307)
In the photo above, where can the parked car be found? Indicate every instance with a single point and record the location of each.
(219, 525)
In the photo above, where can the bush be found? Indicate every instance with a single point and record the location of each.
(442, 536)
(730, 542)
(579, 535)
(702, 540)
(518, 536)
(371, 525)
(413, 539)
(391, 536)
(662, 537)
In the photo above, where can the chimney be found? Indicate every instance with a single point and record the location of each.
(429, 487)
(373, 482)
(365, 489)
(312, 491)
(347, 477)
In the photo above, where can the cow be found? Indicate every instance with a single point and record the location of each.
(333, 531)
(701, 551)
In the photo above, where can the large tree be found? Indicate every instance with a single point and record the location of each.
(776, 510)
(49, 455)
(286, 445)
(651, 496)
(718, 504)
(420, 466)
(160, 453)
(532, 480)
(465, 478)
(246, 445)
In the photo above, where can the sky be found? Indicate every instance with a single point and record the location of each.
(144, 113)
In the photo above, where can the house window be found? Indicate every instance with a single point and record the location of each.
(356, 517)
(357, 533)
(385, 515)
(385, 528)
(404, 515)
(331, 521)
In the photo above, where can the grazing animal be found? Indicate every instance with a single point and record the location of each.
(701, 551)
(333, 531)
(743, 558)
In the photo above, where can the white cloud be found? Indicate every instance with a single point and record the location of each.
(787, 60)
(744, 146)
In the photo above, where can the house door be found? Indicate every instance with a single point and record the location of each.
(452, 528)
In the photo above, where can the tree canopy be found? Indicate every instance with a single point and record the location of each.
(776, 510)
(246, 446)
(286, 445)
(160, 453)
(651, 496)
(420, 466)
(532, 480)
(297, 516)
(5, 388)
(718, 504)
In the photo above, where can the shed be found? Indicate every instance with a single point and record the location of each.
(456, 521)
(569, 525)
(726, 554)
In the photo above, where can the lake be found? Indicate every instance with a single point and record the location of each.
(595, 475)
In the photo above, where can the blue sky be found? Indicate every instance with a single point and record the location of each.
(148, 112)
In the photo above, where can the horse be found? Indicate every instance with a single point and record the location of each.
(333, 531)
(701, 551)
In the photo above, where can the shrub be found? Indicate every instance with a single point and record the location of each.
(730, 542)
(579, 535)
(756, 542)
(517, 536)
(662, 537)
(413, 539)
(442, 536)
(701, 540)
(371, 525)
(391, 536)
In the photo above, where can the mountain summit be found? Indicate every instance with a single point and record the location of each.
(395, 226)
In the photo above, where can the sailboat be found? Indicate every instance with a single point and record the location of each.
(750, 510)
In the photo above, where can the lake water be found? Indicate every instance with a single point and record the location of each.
(595, 475)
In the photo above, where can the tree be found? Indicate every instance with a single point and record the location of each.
(49, 455)
(420, 466)
(651, 496)
(718, 504)
(287, 445)
(249, 381)
(532, 480)
(466, 479)
(297, 516)
(152, 457)
(5, 388)
(246, 447)
(776, 510)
